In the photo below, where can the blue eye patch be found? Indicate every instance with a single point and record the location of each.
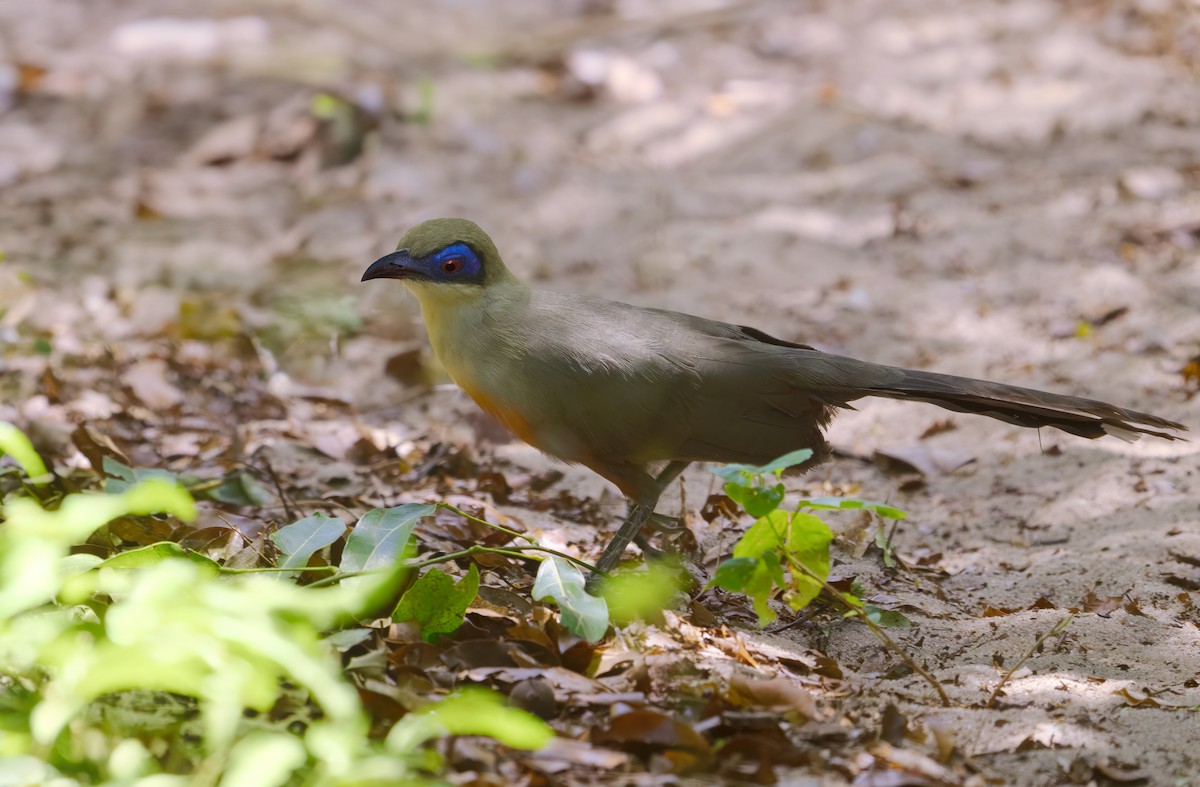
(455, 263)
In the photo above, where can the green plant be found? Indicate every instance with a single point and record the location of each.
(81, 635)
(431, 599)
(786, 552)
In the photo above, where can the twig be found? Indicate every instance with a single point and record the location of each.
(1058, 629)
(317, 503)
(486, 523)
(283, 497)
(533, 544)
(874, 628)
(468, 552)
(205, 486)
(275, 569)
(515, 551)
(891, 643)
(799, 620)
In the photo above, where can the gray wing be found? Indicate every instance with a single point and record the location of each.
(643, 385)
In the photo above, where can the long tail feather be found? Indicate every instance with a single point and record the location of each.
(1012, 404)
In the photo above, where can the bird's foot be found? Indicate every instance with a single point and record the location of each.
(682, 573)
(650, 552)
(674, 537)
(679, 551)
(666, 524)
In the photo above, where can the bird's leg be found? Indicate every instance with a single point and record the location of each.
(663, 525)
(666, 524)
(643, 543)
(639, 512)
(651, 552)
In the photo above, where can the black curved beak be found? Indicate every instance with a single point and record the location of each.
(397, 265)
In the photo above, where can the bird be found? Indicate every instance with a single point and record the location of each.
(637, 394)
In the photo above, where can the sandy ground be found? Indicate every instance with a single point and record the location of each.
(1008, 190)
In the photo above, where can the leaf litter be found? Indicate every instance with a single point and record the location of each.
(219, 348)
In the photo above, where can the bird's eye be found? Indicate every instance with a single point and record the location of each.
(452, 265)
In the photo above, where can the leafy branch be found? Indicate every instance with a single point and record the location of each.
(786, 552)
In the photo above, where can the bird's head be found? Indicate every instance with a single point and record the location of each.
(443, 260)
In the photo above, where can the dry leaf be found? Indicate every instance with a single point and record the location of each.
(1101, 605)
(148, 380)
(777, 693)
(923, 459)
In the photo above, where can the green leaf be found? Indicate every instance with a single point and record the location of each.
(157, 553)
(34, 542)
(424, 111)
(14, 443)
(807, 543)
(776, 540)
(774, 567)
(767, 576)
(760, 544)
(125, 478)
(470, 711)
(852, 601)
(765, 535)
(562, 581)
(734, 573)
(116, 469)
(264, 759)
(327, 106)
(437, 603)
(482, 712)
(380, 536)
(807, 534)
(345, 639)
(739, 473)
(80, 514)
(79, 563)
(885, 546)
(301, 539)
(240, 489)
(758, 501)
(154, 497)
(636, 594)
(841, 503)
(888, 618)
(736, 475)
(790, 459)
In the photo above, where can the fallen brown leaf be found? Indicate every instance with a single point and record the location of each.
(147, 379)
(923, 459)
(647, 731)
(777, 693)
(1101, 605)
